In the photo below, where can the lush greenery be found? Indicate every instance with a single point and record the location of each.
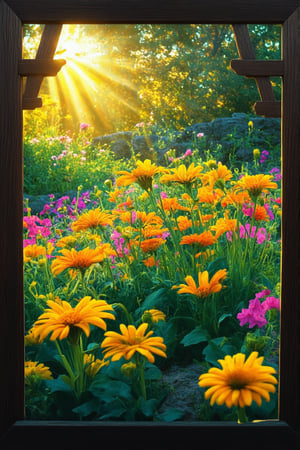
(192, 249)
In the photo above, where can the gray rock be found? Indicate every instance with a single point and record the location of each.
(183, 390)
(121, 149)
(109, 138)
(144, 146)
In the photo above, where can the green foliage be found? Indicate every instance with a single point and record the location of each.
(170, 75)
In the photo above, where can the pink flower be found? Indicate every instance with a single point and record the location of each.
(200, 135)
(188, 152)
(254, 315)
(84, 126)
(261, 235)
(271, 303)
(256, 311)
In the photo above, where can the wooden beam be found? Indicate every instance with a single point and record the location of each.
(246, 51)
(252, 68)
(32, 103)
(268, 109)
(42, 67)
(46, 50)
(11, 219)
(154, 11)
(290, 281)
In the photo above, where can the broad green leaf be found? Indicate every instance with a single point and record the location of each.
(170, 415)
(194, 337)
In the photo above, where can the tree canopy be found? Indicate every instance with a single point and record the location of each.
(169, 75)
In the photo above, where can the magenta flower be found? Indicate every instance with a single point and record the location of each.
(84, 126)
(256, 311)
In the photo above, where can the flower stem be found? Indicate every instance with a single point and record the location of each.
(242, 418)
(140, 367)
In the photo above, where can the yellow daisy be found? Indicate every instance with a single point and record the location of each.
(239, 382)
(132, 340)
(205, 287)
(61, 319)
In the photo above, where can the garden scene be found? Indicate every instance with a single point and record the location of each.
(152, 230)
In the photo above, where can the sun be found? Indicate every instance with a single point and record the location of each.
(92, 87)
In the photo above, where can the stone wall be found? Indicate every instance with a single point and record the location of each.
(228, 134)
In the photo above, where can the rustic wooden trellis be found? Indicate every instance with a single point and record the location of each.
(43, 65)
(281, 434)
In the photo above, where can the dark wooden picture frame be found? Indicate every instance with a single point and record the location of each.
(19, 433)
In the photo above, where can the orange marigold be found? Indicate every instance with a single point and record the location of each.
(81, 259)
(182, 174)
(143, 175)
(92, 219)
(256, 184)
(261, 213)
(151, 245)
(202, 240)
(205, 287)
(33, 251)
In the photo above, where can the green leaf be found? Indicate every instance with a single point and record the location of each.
(148, 407)
(217, 264)
(114, 410)
(194, 337)
(107, 390)
(58, 385)
(152, 373)
(170, 415)
(154, 299)
(88, 408)
(266, 282)
(223, 317)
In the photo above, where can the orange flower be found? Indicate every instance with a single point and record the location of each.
(202, 240)
(240, 381)
(183, 223)
(33, 251)
(235, 198)
(182, 174)
(149, 262)
(81, 259)
(207, 195)
(217, 177)
(261, 213)
(171, 204)
(224, 224)
(151, 245)
(149, 218)
(205, 287)
(132, 340)
(143, 175)
(60, 318)
(92, 219)
(153, 230)
(256, 184)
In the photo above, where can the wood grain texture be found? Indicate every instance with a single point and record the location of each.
(268, 109)
(153, 435)
(32, 103)
(290, 315)
(42, 67)
(46, 49)
(11, 220)
(257, 68)
(246, 51)
(154, 11)
(11, 285)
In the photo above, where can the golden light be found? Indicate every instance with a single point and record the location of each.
(92, 87)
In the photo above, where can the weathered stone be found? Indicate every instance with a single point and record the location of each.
(144, 146)
(109, 138)
(121, 149)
